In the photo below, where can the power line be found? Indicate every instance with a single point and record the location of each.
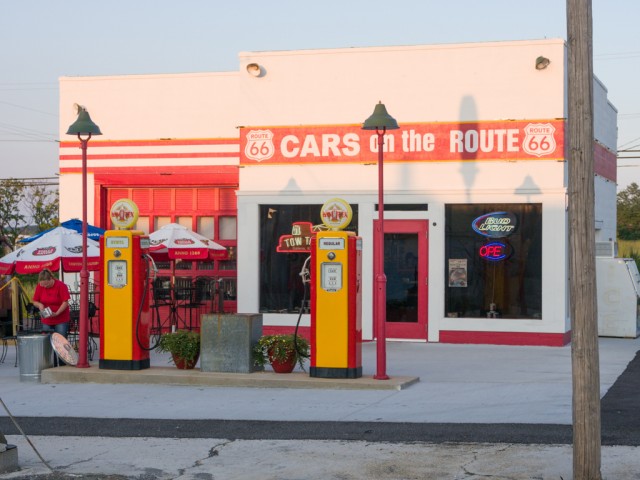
(25, 132)
(28, 108)
(616, 56)
(630, 141)
(35, 180)
(30, 141)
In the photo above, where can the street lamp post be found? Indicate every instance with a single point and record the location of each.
(380, 121)
(84, 128)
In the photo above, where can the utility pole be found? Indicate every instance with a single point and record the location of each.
(582, 269)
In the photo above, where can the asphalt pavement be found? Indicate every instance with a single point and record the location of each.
(473, 411)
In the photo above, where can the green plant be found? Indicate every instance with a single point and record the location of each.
(184, 344)
(280, 347)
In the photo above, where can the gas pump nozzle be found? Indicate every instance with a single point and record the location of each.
(305, 274)
(154, 267)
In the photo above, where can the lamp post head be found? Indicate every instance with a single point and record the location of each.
(83, 125)
(380, 119)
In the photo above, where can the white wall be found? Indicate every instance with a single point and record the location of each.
(417, 84)
(144, 107)
(605, 127)
(605, 209)
(605, 121)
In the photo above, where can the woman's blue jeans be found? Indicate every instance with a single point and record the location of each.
(62, 329)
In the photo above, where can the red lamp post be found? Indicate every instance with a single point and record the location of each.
(380, 121)
(84, 128)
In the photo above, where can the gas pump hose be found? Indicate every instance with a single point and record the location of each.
(149, 262)
(306, 280)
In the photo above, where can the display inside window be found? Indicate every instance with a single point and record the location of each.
(493, 265)
(228, 287)
(282, 254)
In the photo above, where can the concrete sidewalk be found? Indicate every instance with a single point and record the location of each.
(495, 393)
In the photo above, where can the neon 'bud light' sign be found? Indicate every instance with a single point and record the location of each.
(494, 251)
(495, 224)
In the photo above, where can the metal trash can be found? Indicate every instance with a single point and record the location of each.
(34, 355)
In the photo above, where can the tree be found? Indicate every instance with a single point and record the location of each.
(12, 221)
(629, 213)
(42, 204)
(23, 204)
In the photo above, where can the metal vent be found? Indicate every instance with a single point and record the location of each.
(606, 249)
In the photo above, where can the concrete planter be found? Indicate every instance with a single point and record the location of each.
(227, 342)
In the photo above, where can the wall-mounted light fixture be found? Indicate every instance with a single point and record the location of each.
(542, 63)
(254, 70)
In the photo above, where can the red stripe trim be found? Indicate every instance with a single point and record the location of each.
(605, 162)
(505, 338)
(130, 156)
(194, 173)
(155, 143)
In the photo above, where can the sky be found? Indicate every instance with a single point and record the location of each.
(43, 40)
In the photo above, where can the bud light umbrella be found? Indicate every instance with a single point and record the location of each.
(175, 242)
(93, 232)
(58, 247)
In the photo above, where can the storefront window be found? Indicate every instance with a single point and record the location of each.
(142, 224)
(493, 265)
(281, 288)
(228, 228)
(205, 226)
(160, 222)
(184, 221)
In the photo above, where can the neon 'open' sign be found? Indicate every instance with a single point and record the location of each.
(494, 251)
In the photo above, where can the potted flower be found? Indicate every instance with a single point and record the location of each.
(281, 351)
(184, 347)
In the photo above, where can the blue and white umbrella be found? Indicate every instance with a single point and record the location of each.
(93, 233)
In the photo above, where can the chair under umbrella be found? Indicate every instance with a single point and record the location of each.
(175, 242)
(58, 248)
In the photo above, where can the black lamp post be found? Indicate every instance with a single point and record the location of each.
(380, 121)
(84, 128)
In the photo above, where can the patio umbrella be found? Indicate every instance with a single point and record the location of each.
(93, 232)
(59, 246)
(175, 242)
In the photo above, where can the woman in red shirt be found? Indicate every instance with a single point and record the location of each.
(54, 294)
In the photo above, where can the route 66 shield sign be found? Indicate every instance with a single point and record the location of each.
(259, 145)
(539, 139)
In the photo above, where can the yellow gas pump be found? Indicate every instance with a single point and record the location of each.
(124, 301)
(336, 319)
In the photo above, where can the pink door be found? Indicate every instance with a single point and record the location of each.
(406, 259)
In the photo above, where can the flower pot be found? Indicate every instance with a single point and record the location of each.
(283, 366)
(183, 364)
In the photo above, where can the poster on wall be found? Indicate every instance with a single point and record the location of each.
(457, 272)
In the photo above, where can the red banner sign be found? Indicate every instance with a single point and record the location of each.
(420, 142)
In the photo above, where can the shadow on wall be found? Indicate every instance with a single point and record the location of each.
(468, 166)
(528, 188)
